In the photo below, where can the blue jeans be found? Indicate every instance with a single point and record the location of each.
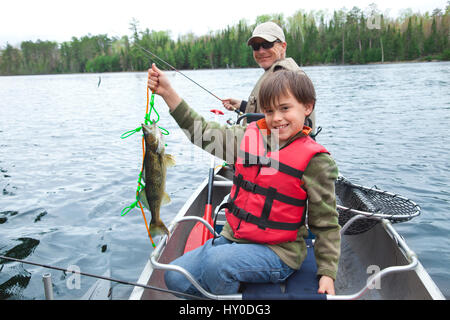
(220, 268)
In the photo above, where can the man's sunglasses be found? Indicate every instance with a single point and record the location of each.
(266, 45)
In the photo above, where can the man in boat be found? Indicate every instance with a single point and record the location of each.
(263, 239)
(269, 51)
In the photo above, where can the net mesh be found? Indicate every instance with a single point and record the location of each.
(372, 202)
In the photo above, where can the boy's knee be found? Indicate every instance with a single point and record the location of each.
(174, 280)
(219, 265)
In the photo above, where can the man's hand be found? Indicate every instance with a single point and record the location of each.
(231, 104)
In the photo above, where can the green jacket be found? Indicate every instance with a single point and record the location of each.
(319, 178)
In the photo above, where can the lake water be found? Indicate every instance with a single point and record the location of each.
(65, 174)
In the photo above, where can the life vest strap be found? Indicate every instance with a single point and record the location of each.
(252, 160)
(256, 189)
(260, 222)
(267, 206)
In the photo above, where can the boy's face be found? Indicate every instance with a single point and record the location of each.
(287, 117)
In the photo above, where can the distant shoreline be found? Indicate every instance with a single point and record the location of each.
(378, 63)
(303, 66)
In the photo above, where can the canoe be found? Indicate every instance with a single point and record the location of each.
(373, 250)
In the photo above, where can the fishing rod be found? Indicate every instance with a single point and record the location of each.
(190, 79)
(176, 70)
(105, 278)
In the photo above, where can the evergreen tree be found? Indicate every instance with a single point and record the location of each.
(341, 37)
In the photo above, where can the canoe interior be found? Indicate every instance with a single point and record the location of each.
(175, 247)
(360, 255)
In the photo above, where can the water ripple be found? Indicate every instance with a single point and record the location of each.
(65, 174)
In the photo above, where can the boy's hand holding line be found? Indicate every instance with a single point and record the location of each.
(159, 84)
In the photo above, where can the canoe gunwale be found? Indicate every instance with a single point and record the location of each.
(170, 267)
(410, 260)
(408, 253)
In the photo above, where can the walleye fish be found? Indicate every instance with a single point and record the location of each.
(154, 174)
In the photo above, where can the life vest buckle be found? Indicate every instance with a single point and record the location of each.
(245, 216)
(249, 186)
(264, 161)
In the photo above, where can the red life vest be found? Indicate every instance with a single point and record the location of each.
(267, 203)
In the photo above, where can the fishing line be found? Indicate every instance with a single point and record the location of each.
(106, 278)
(140, 185)
(150, 102)
(176, 70)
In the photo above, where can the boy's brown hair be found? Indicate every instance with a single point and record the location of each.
(281, 83)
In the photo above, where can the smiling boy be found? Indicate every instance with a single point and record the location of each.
(286, 101)
(263, 239)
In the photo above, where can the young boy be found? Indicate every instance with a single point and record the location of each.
(263, 239)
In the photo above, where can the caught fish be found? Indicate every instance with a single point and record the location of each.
(156, 163)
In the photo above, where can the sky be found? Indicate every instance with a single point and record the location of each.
(56, 20)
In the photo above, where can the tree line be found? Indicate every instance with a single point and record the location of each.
(353, 36)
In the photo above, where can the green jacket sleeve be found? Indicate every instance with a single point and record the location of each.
(319, 178)
(220, 140)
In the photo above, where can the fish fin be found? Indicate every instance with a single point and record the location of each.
(165, 199)
(158, 228)
(169, 160)
(143, 199)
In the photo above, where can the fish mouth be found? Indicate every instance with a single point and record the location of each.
(152, 129)
(153, 137)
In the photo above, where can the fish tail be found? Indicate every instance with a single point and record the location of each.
(158, 227)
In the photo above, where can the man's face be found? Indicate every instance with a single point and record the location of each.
(265, 58)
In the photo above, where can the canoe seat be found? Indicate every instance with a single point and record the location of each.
(301, 285)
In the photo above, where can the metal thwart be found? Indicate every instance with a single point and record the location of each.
(410, 255)
(169, 267)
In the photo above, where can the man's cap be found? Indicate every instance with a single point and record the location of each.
(269, 31)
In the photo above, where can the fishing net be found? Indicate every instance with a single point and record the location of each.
(353, 199)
